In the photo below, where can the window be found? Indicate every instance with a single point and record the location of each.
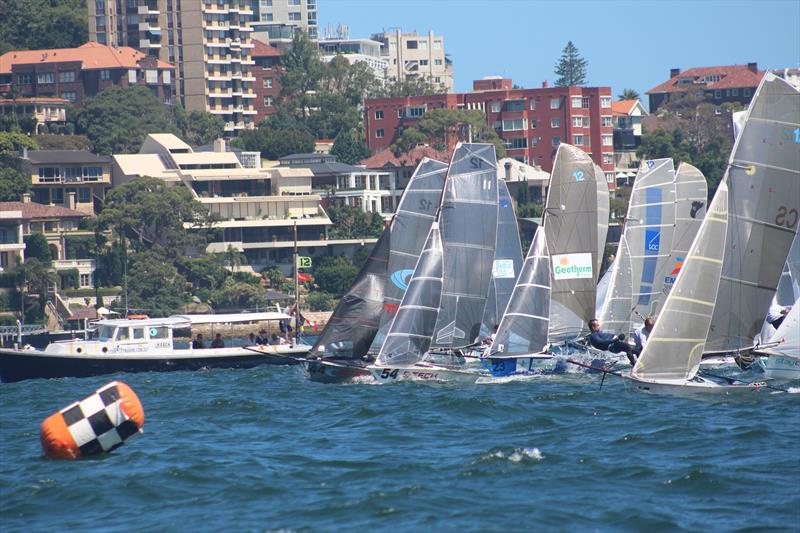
(534, 123)
(577, 140)
(138, 333)
(745, 92)
(101, 37)
(267, 101)
(556, 140)
(605, 101)
(555, 122)
(423, 45)
(266, 17)
(438, 62)
(49, 174)
(158, 332)
(576, 101)
(131, 76)
(517, 143)
(294, 15)
(608, 158)
(267, 83)
(734, 92)
(711, 78)
(92, 173)
(415, 112)
(437, 79)
(294, 2)
(379, 133)
(57, 196)
(608, 140)
(610, 177)
(606, 122)
(100, 22)
(266, 3)
(379, 114)
(423, 62)
(516, 124)
(437, 45)
(105, 74)
(151, 76)
(555, 103)
(69, 95)
(495, 107)
(45, 77)
(166, 76)
(401, 113)
(84, 195)
(412, 45)
(24, 79)
(577, 122)
(533, 105)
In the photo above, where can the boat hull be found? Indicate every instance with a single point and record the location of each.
(322, 371)
(386, 374)
(782, 367)
(18, 365)
(698, 386)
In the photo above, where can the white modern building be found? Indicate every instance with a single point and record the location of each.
(275, 21)
(411, 55)
(355, 51)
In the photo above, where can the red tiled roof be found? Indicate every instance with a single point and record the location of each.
(32, 210)
(91, 55)
(622, 107)
(262, 49)
(409, 159)
(732, 76)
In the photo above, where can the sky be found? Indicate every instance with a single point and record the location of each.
(628, 44)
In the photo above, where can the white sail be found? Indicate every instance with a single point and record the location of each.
(764, 180)
(675, 347)
(787, 336)
(602, 289)
(603, 208)
(691, 192)
(649, 228)
(615, 315)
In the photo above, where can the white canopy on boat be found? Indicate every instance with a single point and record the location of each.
(232, 317)
(172, 321)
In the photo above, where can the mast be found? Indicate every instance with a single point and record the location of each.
(296, 290)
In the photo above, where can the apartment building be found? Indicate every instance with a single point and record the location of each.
(733, 83)
(47, 112)
(208, 41)
(355, 51)
(267, 74)
(74, 74)
(411, 55)
(531, 122)
(74, 179)
(627, 137)
(275, 21)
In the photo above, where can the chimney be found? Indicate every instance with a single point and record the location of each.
(24, 152)
(71, 200)
(674, 72)
(26, 198)
(507, 166)
(753, 67)
(544, 84)
(219, 145)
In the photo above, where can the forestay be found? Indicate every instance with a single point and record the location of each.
(649, 228)
(764, 180)
(691, 193)
(615, 315)
(570, 219)
(409, 229)
(523, 328)
(468, 224)
(675, 347)
(410, 331)
(354, 322)
(507, 259)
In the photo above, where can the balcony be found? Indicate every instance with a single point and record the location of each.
(146, 43)
(149, 10)
(84, 266)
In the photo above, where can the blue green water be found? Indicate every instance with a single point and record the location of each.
(265, 449)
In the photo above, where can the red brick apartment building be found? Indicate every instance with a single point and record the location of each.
(531, 122)
(266, 72)
(75, 74)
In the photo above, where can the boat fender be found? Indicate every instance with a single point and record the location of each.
(97, 424)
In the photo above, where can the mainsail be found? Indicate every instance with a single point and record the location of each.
(523, 329)
(649, 227)
(675, 347)
(570, 218)
(468, 224)
(410, 331)
(691, 193)
(410, 226)
(603, 207)
(354, 322)
(615, 315)
(764, 180)
(787, 336)
(507, 259)
(602, 288)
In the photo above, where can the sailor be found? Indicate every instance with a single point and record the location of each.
(608, 341)
(218, 342)
(252, 339)
(490, 339)
(640, 335)
(198, 343)
(776, 314)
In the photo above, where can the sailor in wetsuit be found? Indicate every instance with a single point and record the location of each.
(608, 341)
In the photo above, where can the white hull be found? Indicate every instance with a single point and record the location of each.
(697, 386)
(389, 374)
(782, 367)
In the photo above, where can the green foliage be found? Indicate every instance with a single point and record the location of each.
(198, 127)
(15, 141)
(409, 87)
(117, 119)
(9, 301)
(442, 127)
(277, 137)
(239, 295)
(63, 142)
(335, 274)
(571, 67)
(70, 278)
(204, 272)
(352, 223)
(32, 278)
(154, 285)
(79, 247)
(320, 301)
(350, 147)
(14, 181)
(361, 255)
(36, 248)
(38, 24)
(618, 204)
(628, 94)
(111, 268)
(14, 122)
(277, 279)
(529, 210)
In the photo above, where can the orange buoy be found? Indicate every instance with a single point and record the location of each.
(96, 424)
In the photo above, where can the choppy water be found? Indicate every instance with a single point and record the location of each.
(264, 449)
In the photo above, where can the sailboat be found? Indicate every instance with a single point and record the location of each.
(691, 192)
(441, 311)
(603, 210)
(341, 351)
(783, 352)
(615, 315)
(764, 181)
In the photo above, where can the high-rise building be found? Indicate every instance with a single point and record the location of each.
(207, 40)
(275, 21)
(410, 55)
(355, 51)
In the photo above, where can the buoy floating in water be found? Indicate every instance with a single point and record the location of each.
(97, 424)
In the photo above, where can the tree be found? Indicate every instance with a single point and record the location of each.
(38, 24)
(350, 147)
(352, 223)
(408, 87)
(335, 274)
(303, 71)
(198, 127)
(117, 119)
(154, 285)
(571, 67)
(14, 182)
(628, 94)
(441, 128)
(36, 247)
(33, 278)
(237, 295)
(320, 301)
(15, 141)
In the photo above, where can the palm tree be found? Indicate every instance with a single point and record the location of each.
(628, 94)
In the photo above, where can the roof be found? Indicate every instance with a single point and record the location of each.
(623, 107)
(319, 164)
(66, 156)
(731, 76)
(32, 210)
(84, 313)
(409, 159)
(170, 141)
(207, 158)
(143, 165)
(262, 49)
(91, 55)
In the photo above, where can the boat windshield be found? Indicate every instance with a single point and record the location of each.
(104, 333)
